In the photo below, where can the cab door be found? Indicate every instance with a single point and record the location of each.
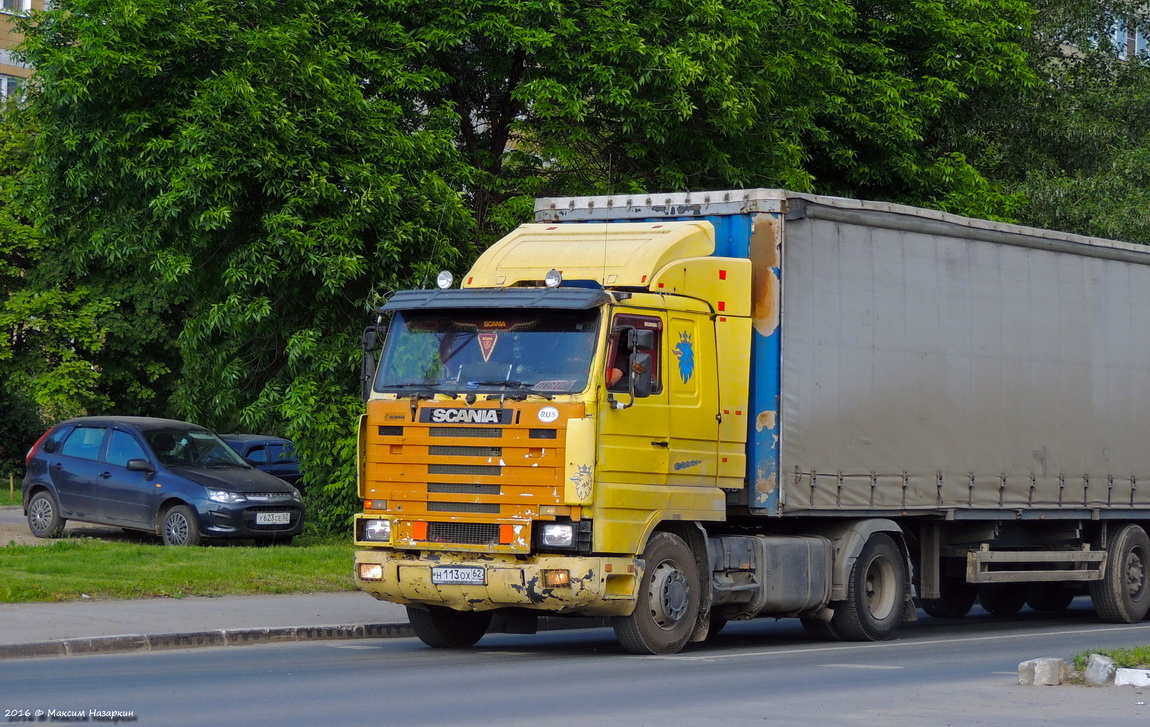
(635, 436)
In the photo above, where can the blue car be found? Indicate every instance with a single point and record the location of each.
(273, 455)
(172, 478)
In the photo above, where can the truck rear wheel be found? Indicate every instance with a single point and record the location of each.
(876, 592)
(956, 598)
(1123, 595)
(668, 602)
(444, 628)
(1049, 597)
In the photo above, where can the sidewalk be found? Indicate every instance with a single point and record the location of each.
(90, 627)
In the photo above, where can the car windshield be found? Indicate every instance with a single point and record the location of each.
(192, 448)
(539, 352)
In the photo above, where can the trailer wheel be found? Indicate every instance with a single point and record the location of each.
(1049, 597)
(668, 603)
(876, 589)
(1123, 595)
(444, 628)
(956, 598)
(1002, 599)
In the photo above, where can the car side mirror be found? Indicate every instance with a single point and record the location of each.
(640, 338)
(140, 465)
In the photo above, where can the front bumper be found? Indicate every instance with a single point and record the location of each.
(240, 520)
(598, 587)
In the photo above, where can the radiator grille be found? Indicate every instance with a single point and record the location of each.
(481, 470)
(491, 508)
(465, 533)
(445, 451)
(473, 432)
(462, 488)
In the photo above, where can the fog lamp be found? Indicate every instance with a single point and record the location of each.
(556, 578)
(370, 572)
(553, 278)
(444, 279)
(379, 530)
(558, 535)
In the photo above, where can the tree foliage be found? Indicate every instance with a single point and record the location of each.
(249, 179)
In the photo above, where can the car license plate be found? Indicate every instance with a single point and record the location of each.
(273, 518)
(462, 575)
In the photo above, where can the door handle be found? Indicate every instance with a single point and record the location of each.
(660, 444)
(105, 475)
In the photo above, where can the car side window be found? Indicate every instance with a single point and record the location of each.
(54, 440)
(282, 453)
(83, 442)
(123, 447)
(257, 455)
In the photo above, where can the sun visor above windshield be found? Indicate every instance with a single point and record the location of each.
(557, 298)
(616, 255)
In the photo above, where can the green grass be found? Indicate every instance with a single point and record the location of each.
(76, 568)
(5, 498)
(1135, 657)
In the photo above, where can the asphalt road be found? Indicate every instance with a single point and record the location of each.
(939, 672)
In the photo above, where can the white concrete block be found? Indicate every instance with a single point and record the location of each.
(1100, 671)
(1048, 671)
(1132, 678)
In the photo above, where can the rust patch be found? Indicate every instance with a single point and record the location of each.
(766, 238)
(766, 420)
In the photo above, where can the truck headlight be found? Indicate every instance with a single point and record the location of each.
(377, 530)
(558, 535)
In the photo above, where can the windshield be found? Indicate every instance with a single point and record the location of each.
(540, 352)
(192, 448)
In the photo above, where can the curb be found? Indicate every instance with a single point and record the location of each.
(193, 639)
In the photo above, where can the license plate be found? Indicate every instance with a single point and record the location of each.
(462, 575)
(273, 518)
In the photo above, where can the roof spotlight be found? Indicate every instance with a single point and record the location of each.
(444, 279)
(553, 278)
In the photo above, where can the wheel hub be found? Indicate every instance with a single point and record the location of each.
(670, 595)
(1135, 574)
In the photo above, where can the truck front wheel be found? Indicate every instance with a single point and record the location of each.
(1123, 595)
(876, 593)
(444, 628)
(668, 602)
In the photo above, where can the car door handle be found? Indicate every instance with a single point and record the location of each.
(105, 475)
(660, 444)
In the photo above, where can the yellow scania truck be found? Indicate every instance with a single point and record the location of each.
(679, 410)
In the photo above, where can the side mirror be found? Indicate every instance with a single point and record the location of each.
(641, 375)
(140, 465)
(370, 342)
(640, 338)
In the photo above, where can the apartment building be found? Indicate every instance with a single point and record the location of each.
(12, 72)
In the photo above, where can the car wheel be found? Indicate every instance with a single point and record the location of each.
(180, 527)
(44, 516)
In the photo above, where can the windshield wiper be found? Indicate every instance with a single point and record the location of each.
(507, 384)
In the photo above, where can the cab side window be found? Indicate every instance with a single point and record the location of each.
(84, 443)
(123, 447)
(619, 355)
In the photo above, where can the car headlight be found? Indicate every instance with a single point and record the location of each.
(558, 535)
(226, 496)
(377, 530)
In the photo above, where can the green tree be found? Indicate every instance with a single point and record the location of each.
(265, 171)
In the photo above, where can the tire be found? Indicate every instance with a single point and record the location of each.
(180, 527)
(1123, 594)
(956, 599)
(876, 593)
(1002, 599)
(1049, 597)
(44, 516)
(668, 603)
(444, 628)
